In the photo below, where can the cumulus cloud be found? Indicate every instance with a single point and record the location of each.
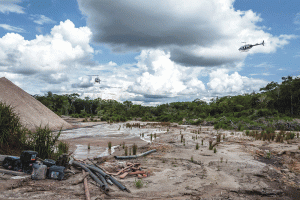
(12, 28)
(83, 82)
(41, 19)
(220, 82)
(56, 53)
(7, 6)
(196, 33)
(162, 78)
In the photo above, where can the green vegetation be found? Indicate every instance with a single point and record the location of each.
(43, 141)
(14, 138)
(210, 145)
(12, 133)
(109, 145)
(138, 184)
(197, 146)
(134, 149)
(276, 106)
(273, 108)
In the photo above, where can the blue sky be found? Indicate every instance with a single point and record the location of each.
(148, 52)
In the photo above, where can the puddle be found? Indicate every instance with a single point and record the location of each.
(106, 130)
(82, 151)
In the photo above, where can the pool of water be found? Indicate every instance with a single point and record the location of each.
(106, 130)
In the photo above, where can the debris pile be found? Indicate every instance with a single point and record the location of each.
(29, 163)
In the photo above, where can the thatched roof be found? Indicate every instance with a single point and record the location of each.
(32, 113)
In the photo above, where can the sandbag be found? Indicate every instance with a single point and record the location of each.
(12, 163)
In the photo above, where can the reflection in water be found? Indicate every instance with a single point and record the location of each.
(82, 151)
(106, 130)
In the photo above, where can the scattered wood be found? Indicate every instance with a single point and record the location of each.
(137, 172)
(123, 175)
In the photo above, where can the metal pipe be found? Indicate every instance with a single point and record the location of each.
(136, 156)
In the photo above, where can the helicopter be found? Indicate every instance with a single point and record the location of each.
(246, 47)
(97, 79)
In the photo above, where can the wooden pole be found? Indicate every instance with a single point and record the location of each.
(86, 187)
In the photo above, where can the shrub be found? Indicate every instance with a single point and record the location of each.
(109, 145)
(138, 184)
(210, 145)
(134, 148)
(126, 149)
(197, 146)
(12, 133)
(215, 150)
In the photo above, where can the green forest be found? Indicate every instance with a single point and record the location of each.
(276, 106)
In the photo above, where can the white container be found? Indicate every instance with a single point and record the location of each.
(38, 171)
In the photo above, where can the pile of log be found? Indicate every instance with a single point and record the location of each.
(131, 169)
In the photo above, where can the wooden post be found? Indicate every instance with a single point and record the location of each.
(86, 187)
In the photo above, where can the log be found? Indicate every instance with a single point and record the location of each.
(15, 173)
(86, 187)
(137, 172)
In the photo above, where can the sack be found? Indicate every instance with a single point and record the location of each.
(56, 172)
(28, 156)
(17, 166)
(48, 163)
(12, 163)
(38, 171)
(27, 168)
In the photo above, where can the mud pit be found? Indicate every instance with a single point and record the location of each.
(241, 168)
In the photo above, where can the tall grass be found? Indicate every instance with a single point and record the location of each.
(43, 141)
(12, 133)
(14, 137)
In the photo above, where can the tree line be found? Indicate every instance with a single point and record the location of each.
(275, 101)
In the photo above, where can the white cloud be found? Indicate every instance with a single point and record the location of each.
(62, 50)
(162, 78)
(7, 6)
(12, 28)
(42, 19)
(221, 82)
(197, 33)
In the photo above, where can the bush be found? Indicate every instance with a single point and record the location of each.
(12, 133)
(43, 141)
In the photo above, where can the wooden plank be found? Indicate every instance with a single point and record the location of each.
(124, 175)
(5, 171)
(86, 187)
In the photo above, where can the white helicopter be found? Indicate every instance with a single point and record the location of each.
(246, 47)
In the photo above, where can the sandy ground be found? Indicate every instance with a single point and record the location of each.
(240, 169)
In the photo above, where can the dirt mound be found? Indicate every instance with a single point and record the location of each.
(32, 113)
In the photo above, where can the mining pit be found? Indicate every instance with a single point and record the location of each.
(238, 167)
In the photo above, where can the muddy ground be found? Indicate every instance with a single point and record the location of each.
(241, 167)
